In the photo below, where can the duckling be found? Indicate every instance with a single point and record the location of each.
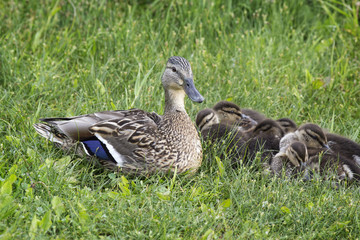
(344, 147)
(325, 161)
(211, 128)
(310, 134)
(255, 115)
(216, 132)
(245, 126)
(293, 159)
(228, 112)
(134, 141)
(206, 118)
(287, 124)
(265, 139)
(231, 114)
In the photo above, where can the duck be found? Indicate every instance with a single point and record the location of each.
(293, 160)
(135, 141)
(310, 134)
(287, 125)
(344, 146)
(325, 162)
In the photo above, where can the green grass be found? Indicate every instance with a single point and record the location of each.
(298, 59)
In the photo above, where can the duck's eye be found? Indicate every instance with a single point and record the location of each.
(174, 69)
(207, 120)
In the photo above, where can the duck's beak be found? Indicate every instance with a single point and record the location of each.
(191, 91)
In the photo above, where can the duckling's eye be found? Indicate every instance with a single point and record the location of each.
(173, 69)
(207, 120)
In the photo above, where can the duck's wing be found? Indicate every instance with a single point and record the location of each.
(72, 129)
(132, 141)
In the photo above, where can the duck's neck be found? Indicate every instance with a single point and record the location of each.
(174, 101)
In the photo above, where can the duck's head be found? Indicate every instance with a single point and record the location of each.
(297, 154)
(228, 112)
(205, 118)
(312, 135)
(287, 124)
(177, 80)
(269, 128)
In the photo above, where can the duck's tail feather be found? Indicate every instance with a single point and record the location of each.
(53, 134)
(91, 147)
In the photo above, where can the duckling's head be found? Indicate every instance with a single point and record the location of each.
(205, 118)
(228, 112)
(177, 80)
(297, 154)
(312, 135)
(246, 124)
(287, 124)
(269, 128)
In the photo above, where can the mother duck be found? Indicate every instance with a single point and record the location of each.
(134, 141)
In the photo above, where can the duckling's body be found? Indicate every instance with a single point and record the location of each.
(344, 147)
(325, 162)
(263, 140)
(293, 160)
(216, 132)
(135, 141)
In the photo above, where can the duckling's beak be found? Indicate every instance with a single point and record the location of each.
(326, 146)
(191, 91)
(249, 119)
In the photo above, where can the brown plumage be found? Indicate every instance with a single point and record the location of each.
(265, 138)
(217, 133)
(255, 115)
(229, 113)
(325, 162)
(344, 147)
(287, 124)
(292, 161)
(135, 141)
(310, 134)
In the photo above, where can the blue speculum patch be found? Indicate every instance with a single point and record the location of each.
(97, 149)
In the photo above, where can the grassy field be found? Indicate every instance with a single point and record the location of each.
(298, 59)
